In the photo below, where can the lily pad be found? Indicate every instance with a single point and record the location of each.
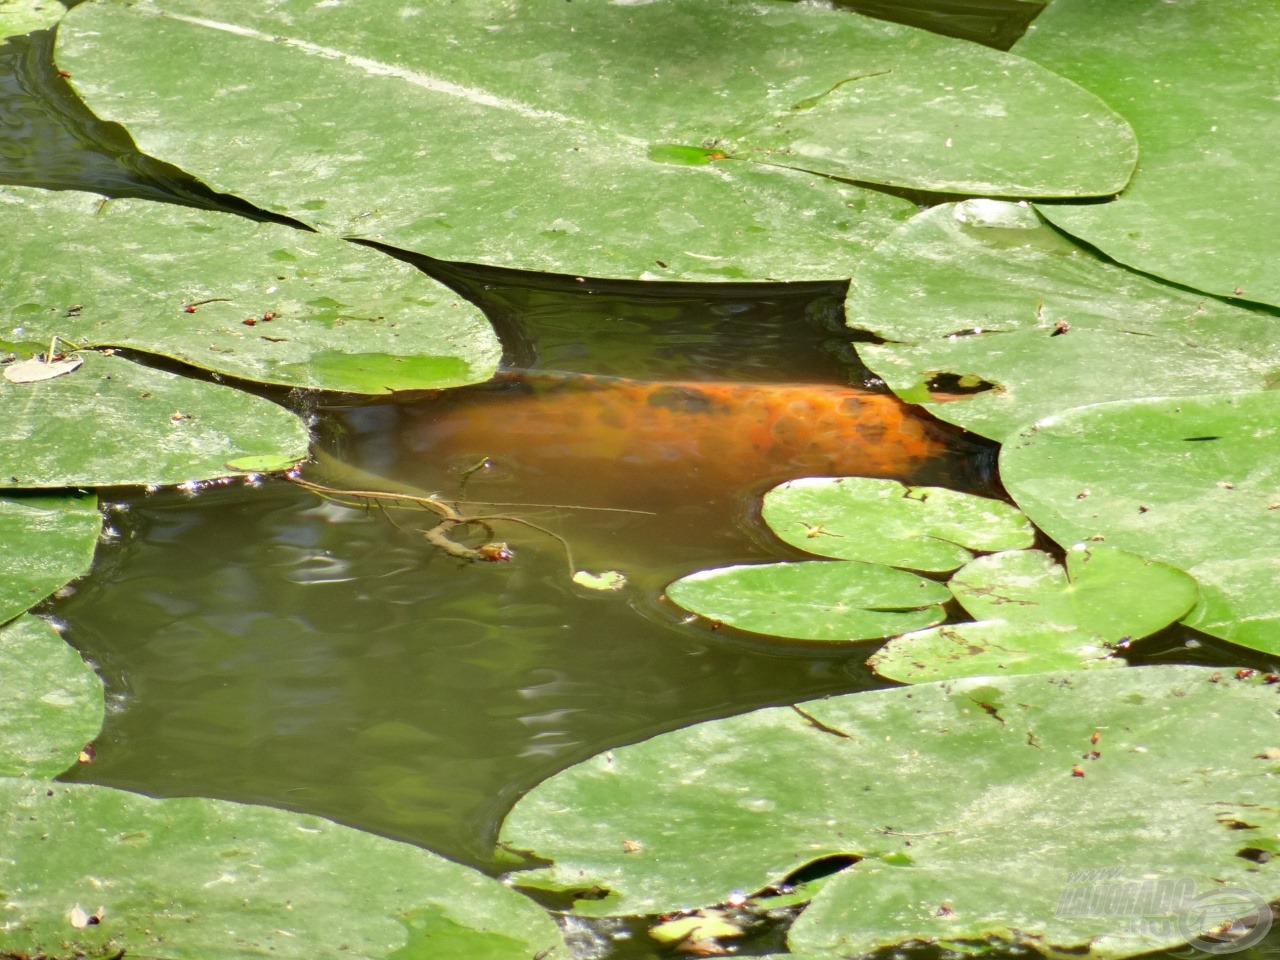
(44, 543)
(1197, 81)
(1102, 590)
(1191, 481)
(990, 648)
(690, 158)
(816, 600)
(23, 16)
(117, 422)
(883, 521)
(207, 879)
(258, 301)
(1032, 323)
(53, 701)
(976, 807)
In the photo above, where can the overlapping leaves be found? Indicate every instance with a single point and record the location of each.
(964, 802)
(1192, 481)
(261, 302)
(1026, 323)
(688, 158)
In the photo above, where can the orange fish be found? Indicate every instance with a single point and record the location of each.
(616, 442)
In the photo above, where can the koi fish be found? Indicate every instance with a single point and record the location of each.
(612, 442)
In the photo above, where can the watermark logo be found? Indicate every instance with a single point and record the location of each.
(1222, 920)
(1226, 920)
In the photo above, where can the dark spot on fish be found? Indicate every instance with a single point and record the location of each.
(682, 399)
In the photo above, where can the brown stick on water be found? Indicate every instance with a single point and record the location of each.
(438, 535)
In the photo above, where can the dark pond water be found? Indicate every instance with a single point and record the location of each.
(259, 644)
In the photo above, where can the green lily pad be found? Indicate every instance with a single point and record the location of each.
(994, 648)
(815, 600)
(882, 521)
(23, 16)
(116, 422)
(258, 301)
(207, 879)
(689, 160)
(44, 543)
(1102, 590)
(1194, 482)
(976, 807)
(53, 701)
(1197, 82)
(1034, 324)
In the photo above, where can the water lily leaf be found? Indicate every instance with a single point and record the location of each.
(1034, 324)
(1102, 590)
(44, 543)
(215, 880)
(652, 176)
(23, 16)
(1197, 84)
(258, 301)
(1194, 482)
(815, 600)
(116, 422)
(883, 521)
(962, 800)
(53, 701)
(990, 648)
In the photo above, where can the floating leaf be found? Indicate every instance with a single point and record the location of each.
(53, 702)
(990, 648)
(882, 521)
(36, 369)
(44, 543)
(1035, 324)
(706, 925)
(1197, 81)
(960, 798)
(1102, 590)
(211, 880)
(1194, 482)
(486, 150)
(117, 422)
(258, 301)
(23, 16)
(815, 600)
(608, 580)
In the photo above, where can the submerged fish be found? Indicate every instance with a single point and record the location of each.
(615, 442)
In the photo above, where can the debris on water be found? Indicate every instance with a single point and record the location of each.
(609, 580)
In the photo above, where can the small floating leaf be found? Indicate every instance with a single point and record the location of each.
(990, 648)
(883, 521)
(959, 798)
(36, 370)
(52, 705)
(1101, 590)
(1191, 481)
(817, 600)
(609, 580)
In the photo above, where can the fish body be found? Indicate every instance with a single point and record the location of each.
(614, 441)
